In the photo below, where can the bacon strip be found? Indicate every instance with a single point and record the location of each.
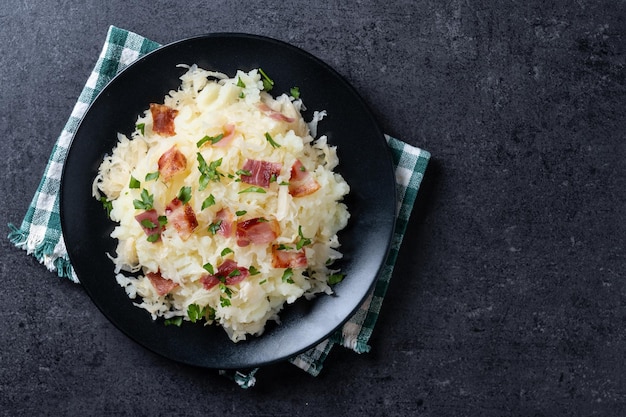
(301, 182)
(171, 163)
(261, 172)
(276, 115)
(182, 217)
(225, 217)
(228, 272)
(163, 119)
(288, 258)
(209, 281)
(160, 284)
(152, 217)
(258, 231)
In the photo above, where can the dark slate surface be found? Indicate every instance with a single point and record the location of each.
(509, 294)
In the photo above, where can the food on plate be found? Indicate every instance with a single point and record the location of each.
(227, 206)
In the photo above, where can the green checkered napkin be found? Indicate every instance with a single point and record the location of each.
(40, 233)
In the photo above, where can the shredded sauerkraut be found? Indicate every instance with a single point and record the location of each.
(219, 124)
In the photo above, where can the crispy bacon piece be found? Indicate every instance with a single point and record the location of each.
(171, 163)
(149, 221)
(228, 272)
(209, 281)
(288, 258)
(182, 217)
(276, 115)
(257, 231)
(301, 182)
(225, 217)
(261, 172)
(160, 284)
(163, 119)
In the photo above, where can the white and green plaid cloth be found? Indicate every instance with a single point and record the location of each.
(40, 233)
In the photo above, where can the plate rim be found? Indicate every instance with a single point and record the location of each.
(298, 50)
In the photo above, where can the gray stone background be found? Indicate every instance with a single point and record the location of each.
(509, 294)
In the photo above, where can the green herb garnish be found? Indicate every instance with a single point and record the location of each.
(240, 212)
(253, 270)
(152, 176)
(153, 237)
(146, 202)
(148, 224)
(268, 137)
(134, 183)
(195, 313)
(208, 172)
(335, 278)
(295, 92)
(226, 251)
(209, 268)
(215, 226)
(303, 241)
(287, 276)
(174, 321)
(107, 205)
(268, 83)
(212, 139)
(141, 127)
(252, 189)
(184, 195)
(208, 202)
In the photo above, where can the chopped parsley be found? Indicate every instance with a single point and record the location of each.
(184, 195)
(224, 302)
(253, 270)
(134, 183)
(287, 276)
(152, 176)
(148, 224)
(208, 202)
(335, 279)
(295, 92)
(272, 142)
(209, 268)
(153, 237)
(252, 189)
(146, 202)
(226, 251)
(141, 127)
(268, 83)
(107, 205)
(283, 247)
(174, 321)
(243, 172)
(215, 226)
(208, 172)
(303, 241)
(240, 212)
(212, 139)
(195, 312)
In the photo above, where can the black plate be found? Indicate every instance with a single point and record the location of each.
(364, 162)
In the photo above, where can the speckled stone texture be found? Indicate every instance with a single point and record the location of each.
(509, 297)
